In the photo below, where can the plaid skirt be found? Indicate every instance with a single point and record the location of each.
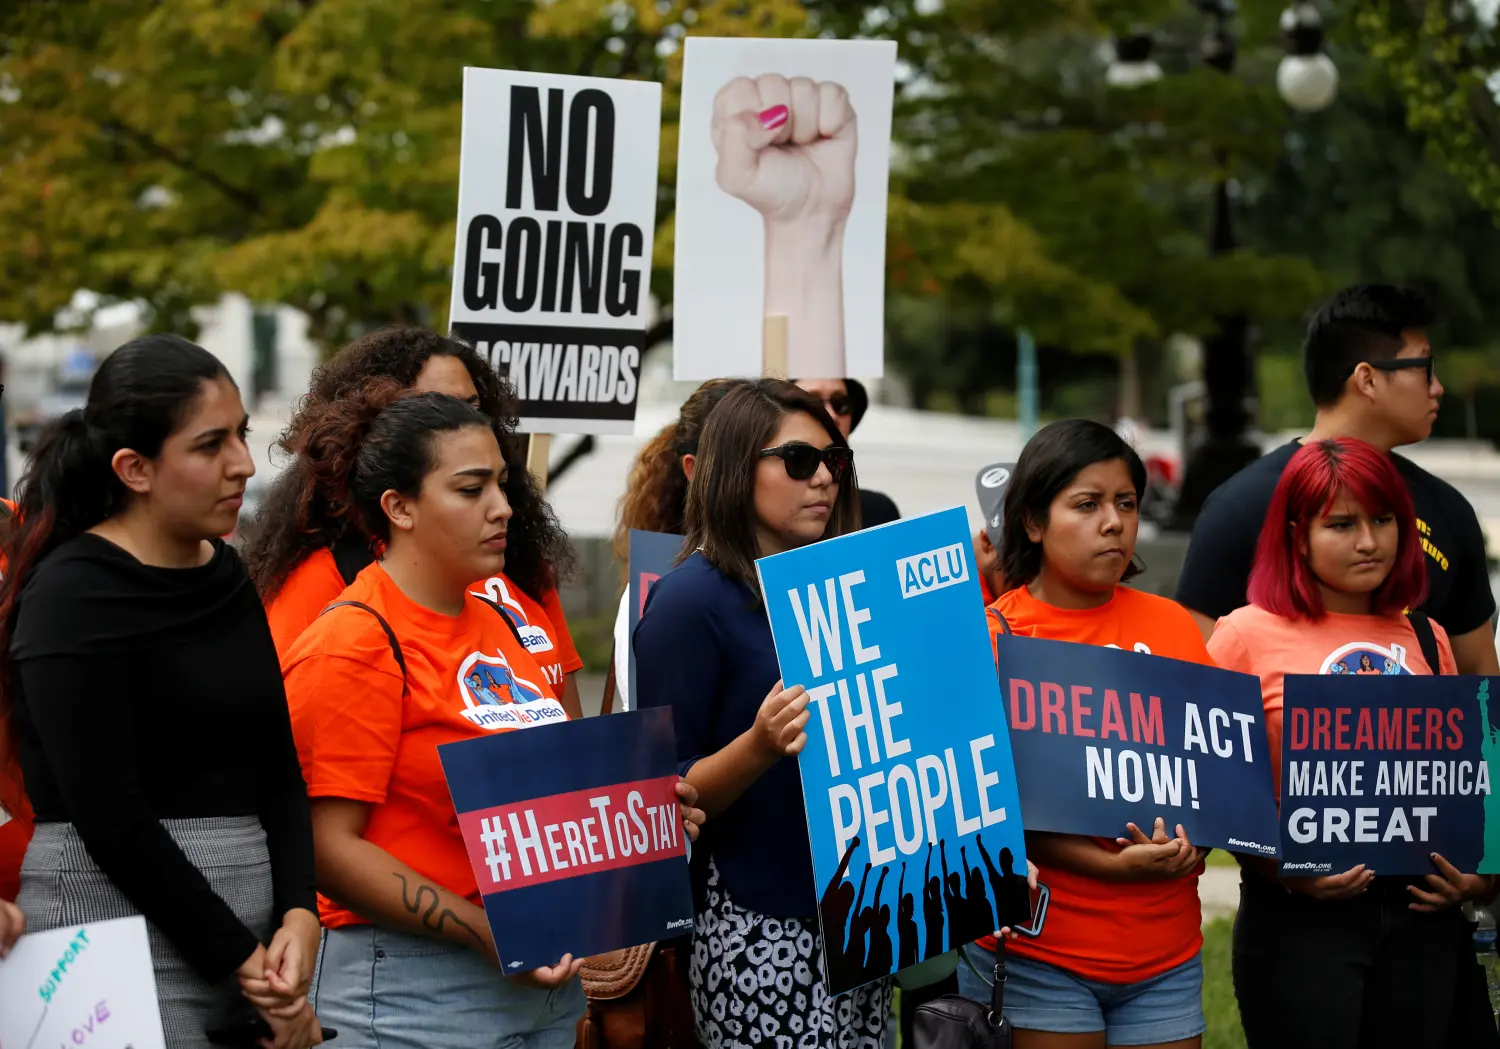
(62, 886)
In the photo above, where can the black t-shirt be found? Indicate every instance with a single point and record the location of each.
(144, 694)
(1217, 570)
(876, 508)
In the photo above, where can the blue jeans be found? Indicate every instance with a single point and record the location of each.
(1042, 997)
(386, 990)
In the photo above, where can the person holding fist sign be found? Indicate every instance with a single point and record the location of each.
(771, 473)
(786, 146)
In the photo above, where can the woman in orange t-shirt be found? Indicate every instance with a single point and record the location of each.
(406, 946)
(303, 548)
(1347, 959)
(1116, 960)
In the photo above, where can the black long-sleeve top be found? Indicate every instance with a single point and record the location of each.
(144, 694)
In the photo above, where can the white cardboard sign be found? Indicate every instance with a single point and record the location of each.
(81, 987)
(552, 261)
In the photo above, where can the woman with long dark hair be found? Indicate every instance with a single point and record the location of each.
(1344, 959)
(772, 473)
(1117, 960)
(405, 660)
(656, 497)
(145, 700)
(305, 546)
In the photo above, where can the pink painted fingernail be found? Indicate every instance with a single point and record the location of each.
(773, 118)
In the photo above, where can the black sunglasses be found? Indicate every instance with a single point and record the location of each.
(1396, 364)
(802, 460)
(838, 404)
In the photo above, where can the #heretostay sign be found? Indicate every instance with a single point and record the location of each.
(552, 265)
(564, 821)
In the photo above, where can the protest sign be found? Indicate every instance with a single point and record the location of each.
(906, 778)
(574, 835)
(1103, 738)
(1385, 771)
(652, 555)
(989, 485)
(82, 985)
(782, 167)
(552, 265)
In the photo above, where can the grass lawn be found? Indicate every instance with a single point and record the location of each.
(1218, 989)
(1220, 858)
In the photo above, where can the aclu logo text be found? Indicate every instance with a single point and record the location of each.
(1268, 850)
(924, 573)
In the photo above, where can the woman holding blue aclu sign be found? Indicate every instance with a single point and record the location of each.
(772, 473)
(1116, 960)
(1347, 959)
(405, 660)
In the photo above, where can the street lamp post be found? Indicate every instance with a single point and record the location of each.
(1307, 81)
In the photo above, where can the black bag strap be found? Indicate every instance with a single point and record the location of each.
(390, 635)
(607, 704)
(1426, 640)
(515, 631)
(351, 553)
(998, 617)
(997, 992)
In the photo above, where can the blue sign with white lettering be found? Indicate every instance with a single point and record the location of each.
(1385, 771)
(907, 778)
(1104, 737)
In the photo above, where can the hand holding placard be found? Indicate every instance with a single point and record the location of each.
(780, 721)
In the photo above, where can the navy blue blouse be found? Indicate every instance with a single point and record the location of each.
(703, 647)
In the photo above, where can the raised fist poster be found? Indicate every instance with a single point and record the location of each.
(1387, 769)
(574, 835)
(783, 159)
(911, 801)
(552, 262)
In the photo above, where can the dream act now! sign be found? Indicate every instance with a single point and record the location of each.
(1104, 737)
(556, 215)
(907, 778)
(1386, 771)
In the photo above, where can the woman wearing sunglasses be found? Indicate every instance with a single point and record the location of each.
(772, 474)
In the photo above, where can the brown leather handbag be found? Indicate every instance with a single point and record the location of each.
(638, 997)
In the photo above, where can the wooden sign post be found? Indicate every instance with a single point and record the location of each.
(538, 451)
(774, 365)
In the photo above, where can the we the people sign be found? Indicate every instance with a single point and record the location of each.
(906, 777)
(552, 265)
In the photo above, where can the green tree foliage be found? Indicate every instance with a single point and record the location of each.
(1443, 59)
(306, 152)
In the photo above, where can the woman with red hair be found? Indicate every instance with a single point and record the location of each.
(1347, 959)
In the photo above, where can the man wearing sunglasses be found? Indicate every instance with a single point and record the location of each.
(1371, 374)
(847, 400)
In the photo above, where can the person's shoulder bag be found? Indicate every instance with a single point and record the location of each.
(956, 1022)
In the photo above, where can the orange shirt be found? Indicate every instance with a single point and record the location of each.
(1253, 641)
(359, 736)
(1113, 932)
(314, 583)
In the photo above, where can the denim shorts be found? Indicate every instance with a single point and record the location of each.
(1042, 997)
(386, 990)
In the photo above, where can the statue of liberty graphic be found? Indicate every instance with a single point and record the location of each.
(1489, 751)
